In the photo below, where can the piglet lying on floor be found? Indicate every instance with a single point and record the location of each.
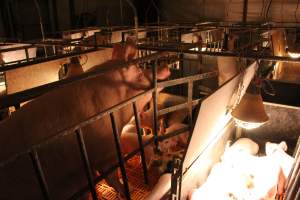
(61, 109)
(243, 176)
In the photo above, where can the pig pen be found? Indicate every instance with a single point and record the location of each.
(140, 192)
(135, 171)
(215, 128)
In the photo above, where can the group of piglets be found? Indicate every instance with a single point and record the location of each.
(169, 123)
(242, 175)
(58, 110)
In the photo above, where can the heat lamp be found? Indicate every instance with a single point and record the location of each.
(250, 112)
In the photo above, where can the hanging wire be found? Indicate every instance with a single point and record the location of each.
(296, 11)
(41, 23)
(121, 12)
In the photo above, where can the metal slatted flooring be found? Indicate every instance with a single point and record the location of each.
(138, 189)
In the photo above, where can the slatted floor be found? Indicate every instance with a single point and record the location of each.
(138, 189)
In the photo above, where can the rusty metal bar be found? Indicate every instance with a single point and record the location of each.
(86, 162)
(120, 156)
(139, 135)
(40, 174)
(155, 109)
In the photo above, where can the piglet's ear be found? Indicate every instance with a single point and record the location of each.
(283, 146)
(130, 49)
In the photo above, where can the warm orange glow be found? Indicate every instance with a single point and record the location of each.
(294, 54)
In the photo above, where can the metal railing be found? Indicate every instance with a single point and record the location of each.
(76, 129)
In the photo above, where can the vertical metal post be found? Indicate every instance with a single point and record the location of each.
(54, 50)
(86, 162)
(190, 104)
(176, 179)
(245, 11)
(26, 54)
(139, 135)
(95, 40)
(295, 166)
(121, 12)
(40, 174)
(155, 109)
(120, 156)
(291, 193)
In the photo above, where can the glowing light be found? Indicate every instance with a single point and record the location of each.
(248, 125)
(294, 54)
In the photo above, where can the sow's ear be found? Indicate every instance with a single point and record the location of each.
(130, 49)
(125, 53)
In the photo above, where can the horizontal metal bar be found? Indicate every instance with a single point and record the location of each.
(177, 107)
(45, 59)
(28, 94)
(248, 55)
(172, 134)
(186, 79)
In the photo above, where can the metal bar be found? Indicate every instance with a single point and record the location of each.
(248, 55)
(40, 60)
(95, 41)
(139, 135)
(186, 79)
(190, 104)
(86, 162)
(177, 107)
(245, 11)
(155, 109)
(27, 55)
(172, 134)
(120, 156)
(291, 177)
(126, 158)
(40, 174)
(25, 95)
(72, 129)
(290, 195)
